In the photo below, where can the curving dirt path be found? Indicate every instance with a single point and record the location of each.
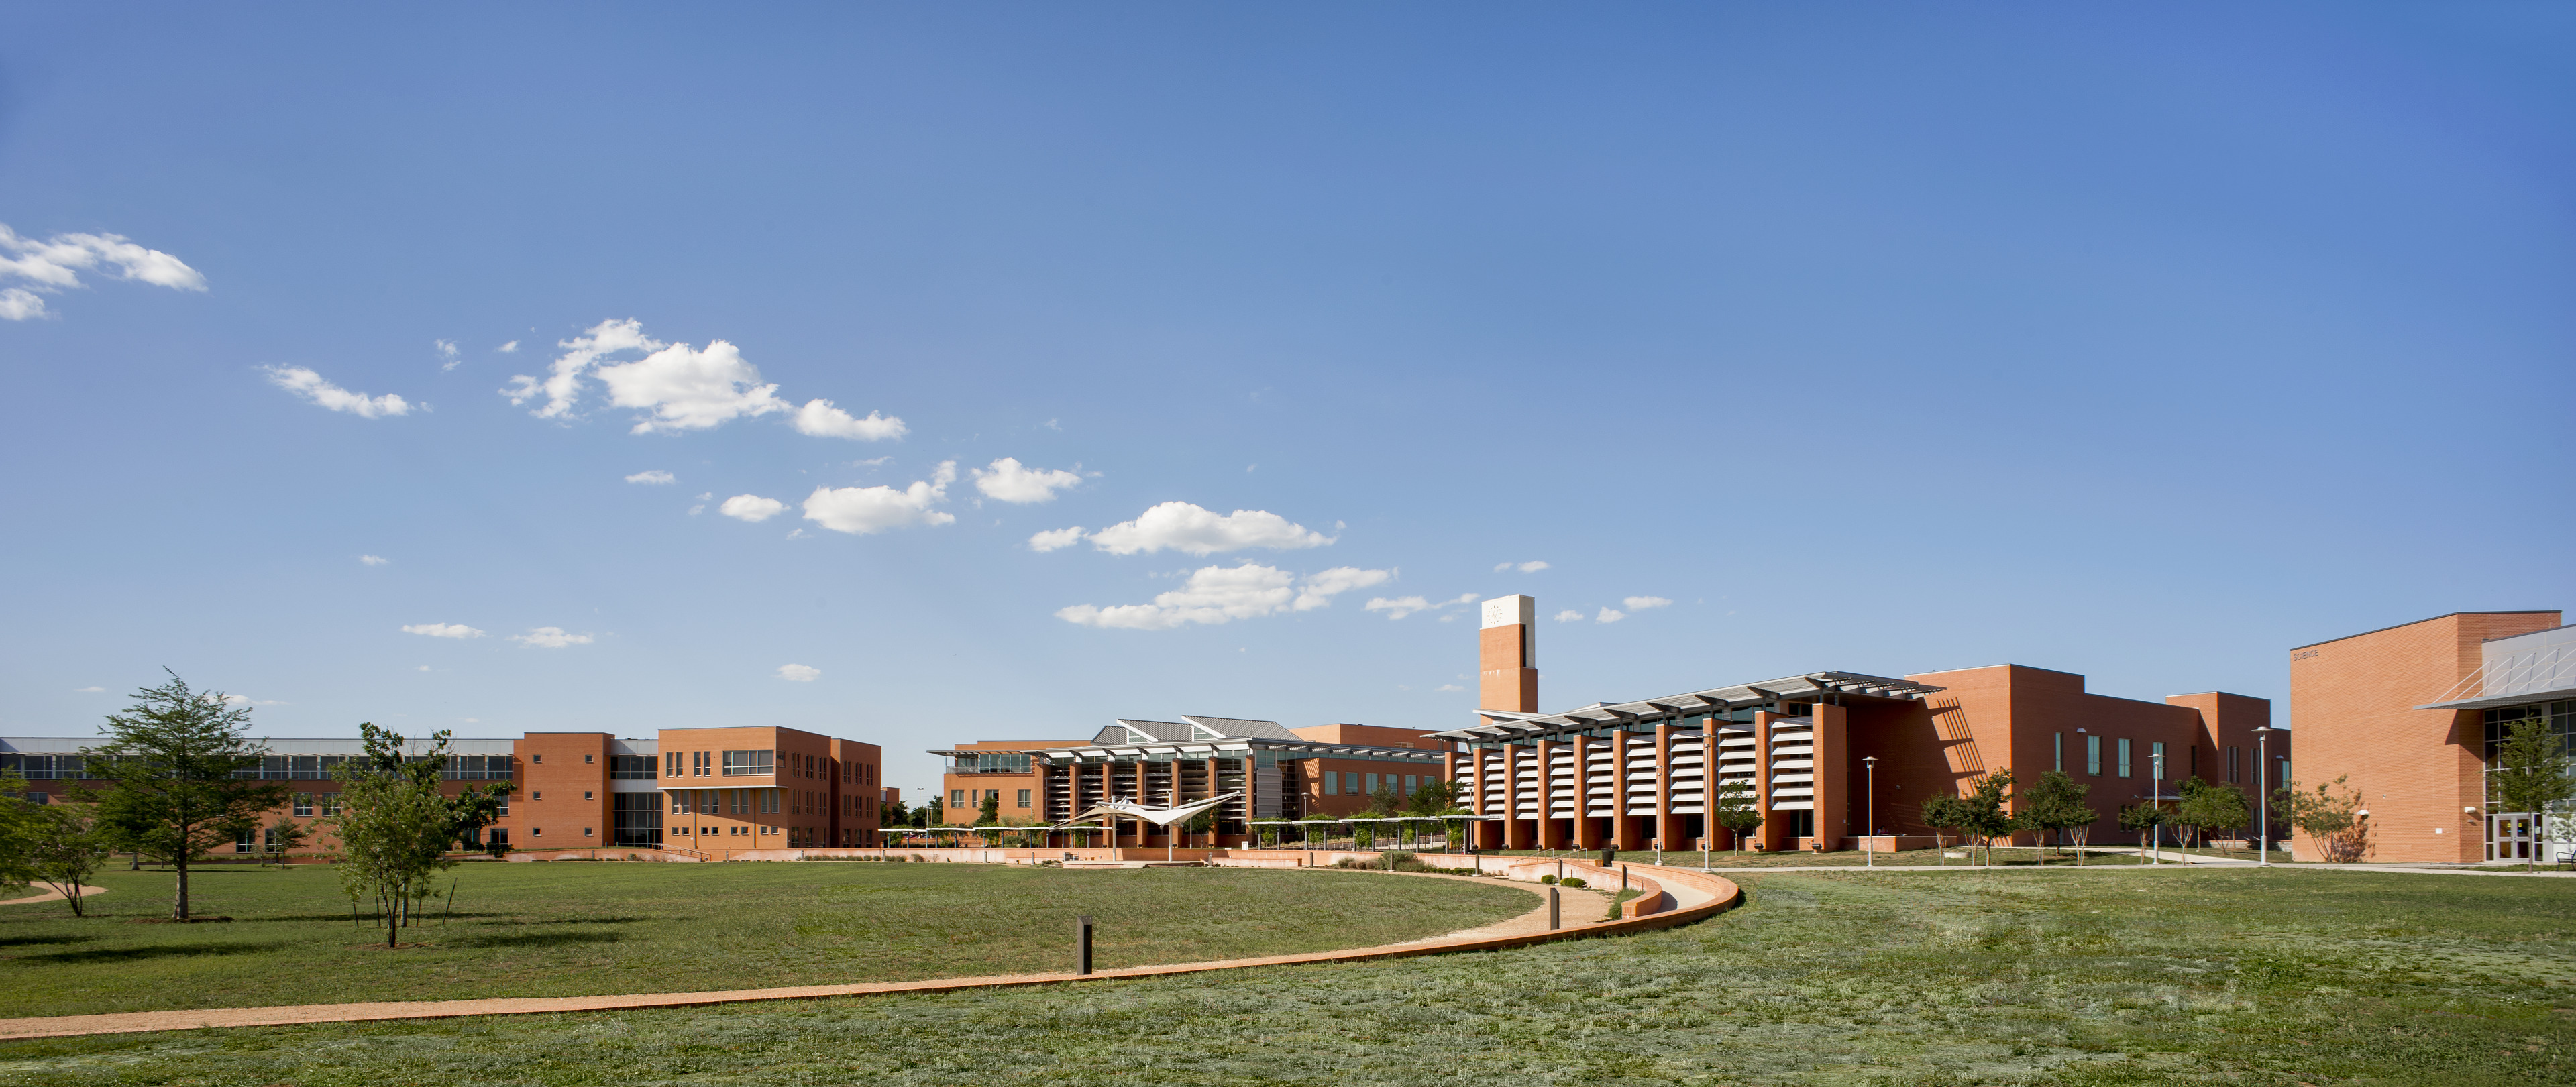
(52, 895)
(1528, 928)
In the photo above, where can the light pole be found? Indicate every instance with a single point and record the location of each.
(1869, 813)
(2263, 794)
(2156, 801)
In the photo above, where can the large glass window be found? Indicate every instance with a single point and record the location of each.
(303, 805)
(638, 817)
(2057, 740)
(631, 767)
(749, 763)
(2156, 759)
(1332, 783)
(2124, 756)
(2093, 755)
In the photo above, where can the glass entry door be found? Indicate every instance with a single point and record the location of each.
(2513, 836)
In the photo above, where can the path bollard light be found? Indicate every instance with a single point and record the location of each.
(1623, 877)
(1082, 945)
(1608, 852)
(1555, 917)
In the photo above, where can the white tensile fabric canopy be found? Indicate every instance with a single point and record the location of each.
(1161, 817)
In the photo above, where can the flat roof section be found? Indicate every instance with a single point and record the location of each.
(2444, 615)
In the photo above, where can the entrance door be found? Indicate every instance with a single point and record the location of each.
(2512, 835)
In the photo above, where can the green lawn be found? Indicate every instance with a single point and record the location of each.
(578, 929)
(2237, 976)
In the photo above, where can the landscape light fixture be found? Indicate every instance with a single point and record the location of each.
(2263, 801)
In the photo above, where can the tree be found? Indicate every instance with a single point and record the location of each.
(989, 812)
(171, 762)
(1433, 798)
(2531, 768)
(396, 824)
(1386, 801)
(2333, 822)
(894, 813)
(1944, 811)
(284, 834)
(1982, 812)
(1734, 810)
(929, 815)
(2206, 807)
(2055, 802)
(63, 848)
(2143, 819)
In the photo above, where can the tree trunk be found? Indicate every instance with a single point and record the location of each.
(179, 907)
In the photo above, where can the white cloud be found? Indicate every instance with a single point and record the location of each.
(655, 477)
(866, 510)
(1569, 615)
(55, 264)
(1007, 481)
(246, 700)
(1609, 615)
(1641, 603)
(798, 673)
(1403, 606)
(90, 690)
(1531, 567)
(447, 350)
(1054, 538)
(443, 630)
(375, 560)
(424, 668)
(1184, 527)
(1219, 594)
(1448, 687)
(819, 418)
(677, 386)
(314, 387)
(1320, 589)
(751, 507)
(510, 348)
(550, 638)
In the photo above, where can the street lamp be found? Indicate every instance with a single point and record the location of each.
(2262, 785)
(1869, 809)
(2156, 800)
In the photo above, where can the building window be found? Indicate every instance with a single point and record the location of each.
(331, 804)
(501, 835)
(538, 759)
(2232, 759)
(586, 760)
(748, 763)
(303, 805)
(585, 832)
(1024, 798)
(2124, 756)
(671, 764)
(1332, 783)
(956, 798)
(246, 842)
(2059, 740)
(2156, 756)
(1351, 783)
(2093, 755)
(536, 832)
(630, 767)
(334, 806)
(585, 794)
(699, 765)
(540, 795)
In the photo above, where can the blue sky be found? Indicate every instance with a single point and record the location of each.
(1901, 338)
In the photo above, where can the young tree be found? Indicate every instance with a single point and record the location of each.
(1983, 813)
(1734, 810)
(2531, 768)
(2333, 822)
(2055, 803)
(2143, 819)
(929, 815)
(170, 764)
(990, 812)
(1433, 798)
(1386, 801)
(2208, 808)
(284, 835)
(397, 825)
(1943, 811)
(63, 849)
(894, 814)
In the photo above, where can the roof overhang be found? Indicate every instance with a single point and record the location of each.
(1814, 686)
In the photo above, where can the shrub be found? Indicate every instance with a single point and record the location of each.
(1572, 881)
(1547, 879)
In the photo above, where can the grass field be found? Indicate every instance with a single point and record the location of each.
(579, 929)
(2238, 976)
(2004, 857)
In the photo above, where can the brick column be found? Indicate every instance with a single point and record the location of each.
(1549, 837)
(1771, 834)
(1587, 834)
(1834, 818)
(1664, 785)
(1623, 830)
(1516, 830)
(1251, 796)
(1489, 835)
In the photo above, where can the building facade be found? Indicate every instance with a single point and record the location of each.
(707, 790)
(1283, 773)
(1821, 755)
(2409, 716)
